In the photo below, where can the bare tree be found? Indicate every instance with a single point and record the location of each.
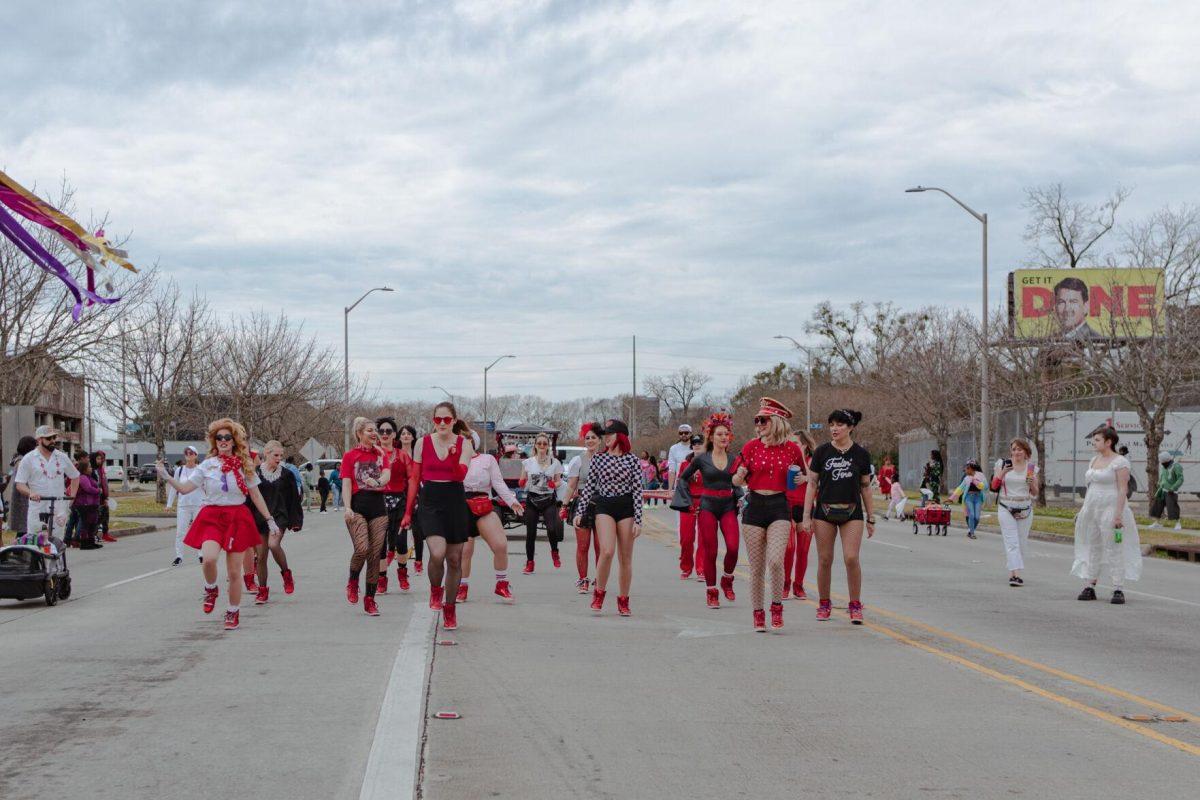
(678, 390)
(1065, 232)
(859, 343)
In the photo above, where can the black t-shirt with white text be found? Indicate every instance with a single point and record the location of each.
(839, 475)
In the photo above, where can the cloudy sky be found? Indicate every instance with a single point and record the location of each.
(550, 178)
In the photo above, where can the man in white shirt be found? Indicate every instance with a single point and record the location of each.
(678, 452)
(43, 472)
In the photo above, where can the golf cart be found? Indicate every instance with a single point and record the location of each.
(521, 437)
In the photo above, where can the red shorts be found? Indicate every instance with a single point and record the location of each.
(232, 527)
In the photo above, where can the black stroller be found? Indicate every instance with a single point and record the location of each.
(36, 565)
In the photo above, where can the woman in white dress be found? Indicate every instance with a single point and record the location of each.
(1105, 530)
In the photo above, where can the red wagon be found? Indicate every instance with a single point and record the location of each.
(935, 518)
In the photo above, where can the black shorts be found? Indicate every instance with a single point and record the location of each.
(817, 515)
(797, 513)
(619, 507)
(444, 511)
(368, 504)
(586, 521)
(764, 509)
(718, 506)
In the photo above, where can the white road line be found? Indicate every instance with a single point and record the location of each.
(1163, 597)
(395, 751)
(134, 578)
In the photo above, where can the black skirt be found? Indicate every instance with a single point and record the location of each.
(443, 510)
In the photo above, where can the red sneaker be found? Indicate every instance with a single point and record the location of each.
(370, 607)
(683, 576)
(461, 597)
(210, 599)
(232, 620)
(727, 587)
(581, 585)
(503, 590)
(787, 592)
(856, 617)
(528, 568)
(798, 592)
(776, 615)
(435, 597)
(713, 599)
(289, 583)
(352, 592)
(623, 606)
(760, 621)
(262, 596)
(554, 558)
(251, 586)
(700, 575)
(419, 565)
(402, 577)
(598, 599)
(381, 584)
(108, 537)
(449, 617)
(824, 609)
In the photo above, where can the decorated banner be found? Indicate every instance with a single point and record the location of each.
(1082, 304)
(92, 249)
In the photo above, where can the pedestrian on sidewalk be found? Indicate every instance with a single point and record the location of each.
(1015, 480)
(100, 474)
(1166, 498)
(839, 502)
(970, 489)
(187, 506)
(86, 505)
(1106, 532)
(18, 506)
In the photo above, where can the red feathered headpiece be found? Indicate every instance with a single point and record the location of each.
(718, 419)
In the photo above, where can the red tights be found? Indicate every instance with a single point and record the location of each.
(688, 539)
(798, 545)
(708, 542)
(585, 537)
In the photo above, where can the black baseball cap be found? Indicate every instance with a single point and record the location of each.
(697, 439)
(615, 426)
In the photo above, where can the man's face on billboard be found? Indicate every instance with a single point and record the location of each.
(1070, 308)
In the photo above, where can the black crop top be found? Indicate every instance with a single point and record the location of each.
(715, 478)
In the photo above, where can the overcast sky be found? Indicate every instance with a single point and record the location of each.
(549, 178)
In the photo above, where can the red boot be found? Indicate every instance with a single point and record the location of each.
(419, 566)
(554, 557)
(727, 587)
(598, 600)
(289, 583)
(503, 590)
(623, 606)
(402, 577)
(528, 568)
(381, 583)
(352, 592)
(776, 615)
(262, 596)
(713, 600)
(370, 607)
(251, 586)
(435, 597)
(108, 537)
(760, 621)
(449, 617)
(210, 599)
(461, 597)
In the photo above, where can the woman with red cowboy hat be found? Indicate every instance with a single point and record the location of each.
(718, 507)
(762, 468)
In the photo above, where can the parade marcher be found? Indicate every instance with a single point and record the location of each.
(1015, 480)
(591, 434)
(187, 506)
(1106, 532)
(365, 475)
(839, 501)
(762, 468)
(442, 460)
(678, 452)
(613, 494)
(43, 473)
(250, 557)
(795, 559)
(691, 541)
(323, 488)
(540, 475)
(18, 507)
(408, 441)
(482, 479)
(279, 492)
(931, 478)
(971, 489)
(1166, 498)
(399, 462)
(226, 478)
(718, 506)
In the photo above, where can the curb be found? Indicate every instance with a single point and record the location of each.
(1039, 536)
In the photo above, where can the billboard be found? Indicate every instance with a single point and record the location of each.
(1082, 304)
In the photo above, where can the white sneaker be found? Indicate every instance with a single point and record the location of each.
(1178, 526)
(1154, 524)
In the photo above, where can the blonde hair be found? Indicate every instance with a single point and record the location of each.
(360, 423)
(777, 431)
(274, 444)
(240, 448)
(806, 440)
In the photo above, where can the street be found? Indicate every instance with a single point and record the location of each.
(957, 686)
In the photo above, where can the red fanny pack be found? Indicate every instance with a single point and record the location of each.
(480, 505)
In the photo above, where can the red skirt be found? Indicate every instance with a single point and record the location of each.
(232, 527)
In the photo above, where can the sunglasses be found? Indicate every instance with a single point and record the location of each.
(386, 432)
(761, 420)
(224, 437)
(442, 420)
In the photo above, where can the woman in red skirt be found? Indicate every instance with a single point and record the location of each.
(224, 523)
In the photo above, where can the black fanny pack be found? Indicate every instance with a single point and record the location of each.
(837, 513)
(1017, 512)
(540, 502)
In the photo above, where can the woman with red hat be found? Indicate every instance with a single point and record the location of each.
(762, 468)
(840, 502)
(718, 507)
(590, 434)
(613, 492)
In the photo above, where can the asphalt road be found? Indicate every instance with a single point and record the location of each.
(958, 686)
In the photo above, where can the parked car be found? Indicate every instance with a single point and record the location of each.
(147, 473)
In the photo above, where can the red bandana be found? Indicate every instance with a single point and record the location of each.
(234, 464)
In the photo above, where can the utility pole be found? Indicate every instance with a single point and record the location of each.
(633, 397)
(124, 419)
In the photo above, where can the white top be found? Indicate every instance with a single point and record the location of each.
(483, 475)
(1104, 479)
(1015, 488)
(677, 455)
(538, 479)
(220, 488)
(183, 473)
(46, 476)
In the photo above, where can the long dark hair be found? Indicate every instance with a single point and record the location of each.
(26, 445)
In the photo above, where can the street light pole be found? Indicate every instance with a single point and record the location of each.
(985, 406)
(485, 390)
(807, 382)
(346, 360)
(445, 391)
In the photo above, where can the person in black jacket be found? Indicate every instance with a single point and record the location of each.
(281, 493)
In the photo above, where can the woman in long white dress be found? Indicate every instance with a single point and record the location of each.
(1105, 531)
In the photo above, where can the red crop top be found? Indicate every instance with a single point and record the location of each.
(767, 467)
(442, 469)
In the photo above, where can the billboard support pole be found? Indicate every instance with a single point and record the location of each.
(1074, 449)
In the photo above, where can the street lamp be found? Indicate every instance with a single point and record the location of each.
(985, 406)
(485, 393)
(444, 391)
(346, 355)
(807, 383)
